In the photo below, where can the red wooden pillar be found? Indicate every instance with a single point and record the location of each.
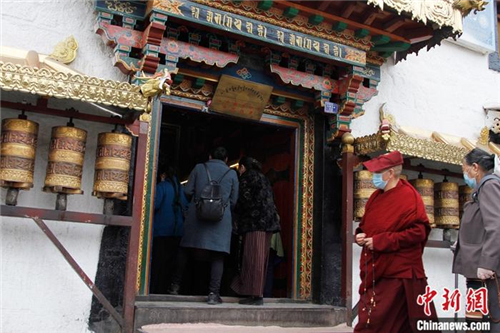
(130, 288)
(348, 162)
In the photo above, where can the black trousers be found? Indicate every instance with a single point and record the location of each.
(215, 258)
(165, 250)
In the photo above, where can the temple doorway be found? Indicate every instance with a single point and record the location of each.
(186, 138)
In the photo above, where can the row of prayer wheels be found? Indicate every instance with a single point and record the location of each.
(443, 202)
(65, 160)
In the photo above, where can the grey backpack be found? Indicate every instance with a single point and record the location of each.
(210, 206)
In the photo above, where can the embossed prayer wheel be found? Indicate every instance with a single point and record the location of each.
(112, 166)
(446, 205)
(66, 155)
(18, 150)
(426, 189)
(363, 189)
(464, 195)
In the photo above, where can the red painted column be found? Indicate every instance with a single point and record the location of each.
(348, 162)
(130, 289)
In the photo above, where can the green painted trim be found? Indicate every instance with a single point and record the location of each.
(339, 26)
(178, 78)
(392, 47)
(316, 19)
(361, 33)
(380, 39)
(291, 12)
(265, 4)
(150, 180)
(198, 83)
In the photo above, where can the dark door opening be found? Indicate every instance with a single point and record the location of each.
(186, 139)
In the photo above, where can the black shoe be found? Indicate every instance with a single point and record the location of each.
(213, 299)
(173, 289)
(252, 300)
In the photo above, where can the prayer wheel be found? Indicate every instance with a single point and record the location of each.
(405, 177)
(112, 166)
(446, 210)
(363, 189)
(66, 155)
(18, 151)
(464, 195)
(426, 189)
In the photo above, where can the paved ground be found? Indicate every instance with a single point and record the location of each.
(217, 328)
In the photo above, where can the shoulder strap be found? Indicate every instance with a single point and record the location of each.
(475, 195)
(224, 175)
(208, 173)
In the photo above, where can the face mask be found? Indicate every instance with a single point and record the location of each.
(378, 181)
(471, 182)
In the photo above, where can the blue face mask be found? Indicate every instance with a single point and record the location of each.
(471, 182)
(378, 181)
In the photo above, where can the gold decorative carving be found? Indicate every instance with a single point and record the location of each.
(347, 143)
(484, 136)
(466, 6)
(20, 125)
(65, 51)
(47, 82)
(369, 144)
(440, 12)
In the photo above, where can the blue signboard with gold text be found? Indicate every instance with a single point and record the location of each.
(262, 31)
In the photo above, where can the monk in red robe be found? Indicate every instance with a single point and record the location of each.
(393, 233)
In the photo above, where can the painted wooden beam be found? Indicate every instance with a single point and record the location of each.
(370, 17)
(351, 24)
(394, 24)
(348, 9)
(198, 83)
(324, 5)
(419, 35)
(392, 47)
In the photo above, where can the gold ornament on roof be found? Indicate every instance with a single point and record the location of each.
(466, 6)
(65, 51)
(387, 123)
(155, 85)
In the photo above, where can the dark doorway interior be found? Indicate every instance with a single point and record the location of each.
(186, 139)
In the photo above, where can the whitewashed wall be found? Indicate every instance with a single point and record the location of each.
(39, 291)
(442, 90)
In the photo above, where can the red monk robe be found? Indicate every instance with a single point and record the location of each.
(397, 221)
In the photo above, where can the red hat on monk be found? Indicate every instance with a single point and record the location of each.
(385, 161)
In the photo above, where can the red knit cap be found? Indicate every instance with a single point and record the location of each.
(385, 161)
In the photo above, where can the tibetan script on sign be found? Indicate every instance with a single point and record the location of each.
(262, 31)
(240, 98)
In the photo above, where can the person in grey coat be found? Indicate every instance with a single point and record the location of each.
(477, 253)
(211, 240)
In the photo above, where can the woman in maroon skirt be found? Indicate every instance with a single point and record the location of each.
(257, 219)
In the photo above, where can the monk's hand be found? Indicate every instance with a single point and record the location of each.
(484, 274)
(360, 239)
(369, 243)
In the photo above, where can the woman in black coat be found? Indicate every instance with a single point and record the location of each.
(257, 219)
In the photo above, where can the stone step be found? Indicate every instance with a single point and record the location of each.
(159, 309)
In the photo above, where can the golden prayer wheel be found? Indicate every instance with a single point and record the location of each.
(66, 155)
(426, 189)
(363, 189)
(405, 177)
(112, 166)
(446, 205)
(18, 151)
(464, 195)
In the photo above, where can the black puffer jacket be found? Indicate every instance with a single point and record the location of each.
(255, 208)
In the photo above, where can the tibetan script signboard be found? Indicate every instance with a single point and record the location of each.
(255, 29)
(240, 98)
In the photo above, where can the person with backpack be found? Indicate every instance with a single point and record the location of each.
(168, 228)
(212, 188)
(257, 220)
(477, 250)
